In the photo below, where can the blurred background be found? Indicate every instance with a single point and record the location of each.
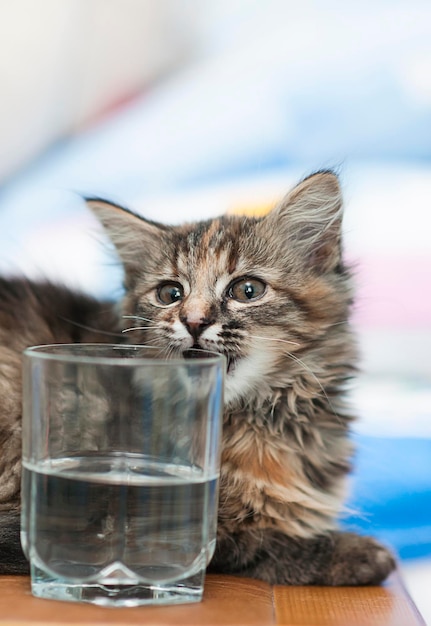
(184, 109)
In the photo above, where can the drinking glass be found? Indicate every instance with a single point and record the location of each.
(121, 458)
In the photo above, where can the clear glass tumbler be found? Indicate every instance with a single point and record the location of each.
(121, 457)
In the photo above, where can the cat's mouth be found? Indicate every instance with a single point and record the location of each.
(196, 352)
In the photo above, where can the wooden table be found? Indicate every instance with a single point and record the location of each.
(227, 601)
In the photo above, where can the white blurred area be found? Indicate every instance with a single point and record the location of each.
(185, 109)
(64, 62)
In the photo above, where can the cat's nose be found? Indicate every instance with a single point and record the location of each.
(196, 326)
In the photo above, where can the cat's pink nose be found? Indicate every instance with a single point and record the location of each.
(196, 326)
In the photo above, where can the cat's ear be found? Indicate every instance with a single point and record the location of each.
(309, 218)
(134, 238)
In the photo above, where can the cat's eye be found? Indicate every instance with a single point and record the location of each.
(246, 289)
(169, 293)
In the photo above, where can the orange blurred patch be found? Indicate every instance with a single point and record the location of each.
(258, 209)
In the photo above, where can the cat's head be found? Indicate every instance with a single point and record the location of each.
(263, 291)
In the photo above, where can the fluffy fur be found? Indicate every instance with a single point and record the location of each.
(273, 294)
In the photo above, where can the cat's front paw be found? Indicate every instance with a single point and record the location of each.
(358, 560)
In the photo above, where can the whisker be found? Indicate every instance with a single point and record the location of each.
(145, 345)
(172, 349)
(166, 351)
(91, 328)
(152, 343)
(294, 343)
(302, 364)
(338, 323)
(154, 340)
(127, 330)
(310, 371)
(136, 317)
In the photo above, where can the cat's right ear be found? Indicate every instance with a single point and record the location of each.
(134, 238)
(309, 220)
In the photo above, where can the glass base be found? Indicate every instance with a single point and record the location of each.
(182, 591)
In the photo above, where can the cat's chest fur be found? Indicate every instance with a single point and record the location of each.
(281, 469)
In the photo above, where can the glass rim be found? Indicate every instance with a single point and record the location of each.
(48, 352)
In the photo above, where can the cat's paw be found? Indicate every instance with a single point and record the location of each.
(358, 560)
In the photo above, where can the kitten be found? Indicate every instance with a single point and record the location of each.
(273, 294)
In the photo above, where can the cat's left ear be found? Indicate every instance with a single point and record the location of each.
(309, 219)
(136, 239)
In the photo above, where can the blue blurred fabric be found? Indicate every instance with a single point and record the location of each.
(391, 493)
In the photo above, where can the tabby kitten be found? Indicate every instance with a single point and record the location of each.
(273, 294)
